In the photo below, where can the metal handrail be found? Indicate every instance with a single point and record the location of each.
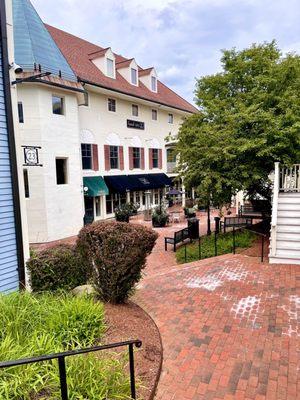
(216, 233)
(62, 366)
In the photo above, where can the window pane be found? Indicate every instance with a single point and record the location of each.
(135, 110)
(112, 105)
(110, 68)
(133, 76)
(86, 155)
(57, 105)
(171, 155)
(26, 183)
(114, 157)
(153, 83)
(97, 206)
(20, 112)
(136, 152)
(170, 118)
(155, 158)
(61, 171)
(154, 115)
(109, 204)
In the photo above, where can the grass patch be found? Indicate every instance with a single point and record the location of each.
(33, 325)
(243, 239)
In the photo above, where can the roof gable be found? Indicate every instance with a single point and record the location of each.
(78, 52)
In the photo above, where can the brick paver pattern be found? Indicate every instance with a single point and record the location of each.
(229, 325)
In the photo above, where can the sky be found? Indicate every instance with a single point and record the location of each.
(182, 39)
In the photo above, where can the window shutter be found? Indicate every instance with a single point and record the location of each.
(95, 157)
(150, 159)
(160, 158)
(142, 158)
(130, 150)
(106, 157)
(121, 158)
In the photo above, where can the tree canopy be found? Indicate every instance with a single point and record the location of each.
(249, 118)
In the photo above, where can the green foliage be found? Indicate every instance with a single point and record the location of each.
(33, 325)
(160, 217)
(56, 268)
(243, 239)
(249, 118)
(118, 253)
(123, 212)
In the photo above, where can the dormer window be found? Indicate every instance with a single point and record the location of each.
(110, 67)
(153, 84)
(134, 78)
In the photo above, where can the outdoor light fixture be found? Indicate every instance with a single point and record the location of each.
(16, 67)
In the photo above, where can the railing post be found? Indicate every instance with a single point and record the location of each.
(216, 248)
(63, 378)
(233, 238)
(131, 368)
(276, 188)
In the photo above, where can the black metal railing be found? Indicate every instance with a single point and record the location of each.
(62, 365)
(216, 234)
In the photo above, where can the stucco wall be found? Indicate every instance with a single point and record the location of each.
(54, 211)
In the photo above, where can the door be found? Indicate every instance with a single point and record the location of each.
(88, 210)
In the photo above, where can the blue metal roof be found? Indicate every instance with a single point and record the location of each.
(34, 44)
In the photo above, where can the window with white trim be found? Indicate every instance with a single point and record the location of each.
(110, 67)
(153, 84)
(154, 115)
(170, 118)
(136, 157)
(135, 110)
(112, 105)
(134, 76)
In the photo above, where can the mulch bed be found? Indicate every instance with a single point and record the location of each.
(129, 321)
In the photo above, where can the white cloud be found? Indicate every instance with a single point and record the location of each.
(181, 39)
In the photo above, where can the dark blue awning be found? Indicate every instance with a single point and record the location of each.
(123, 183)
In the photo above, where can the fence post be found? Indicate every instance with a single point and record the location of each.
(63, 378)
(233, 237)
(217, 224)
(262, 248)
(131, 367)
(199, 247)
(216, 248)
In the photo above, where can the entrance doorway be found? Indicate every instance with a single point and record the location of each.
(88, 210)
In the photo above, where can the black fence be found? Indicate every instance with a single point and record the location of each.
(216, 234)
(62, 366)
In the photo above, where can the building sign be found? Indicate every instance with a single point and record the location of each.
(31, 156)
(135, 124)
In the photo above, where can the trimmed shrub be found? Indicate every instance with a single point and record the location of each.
(118, 252)
(56, 268)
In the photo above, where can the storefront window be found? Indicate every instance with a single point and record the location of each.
(109, 204)
(98, 206)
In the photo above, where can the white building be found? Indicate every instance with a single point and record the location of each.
(93, 126)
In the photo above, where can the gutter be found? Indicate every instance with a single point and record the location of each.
(132, 95)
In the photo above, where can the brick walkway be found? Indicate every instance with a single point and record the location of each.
(230, 326)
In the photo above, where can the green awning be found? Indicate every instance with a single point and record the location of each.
(94, 186)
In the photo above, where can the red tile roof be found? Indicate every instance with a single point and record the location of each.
(78, 54)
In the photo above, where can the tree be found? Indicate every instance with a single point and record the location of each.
(249, 118)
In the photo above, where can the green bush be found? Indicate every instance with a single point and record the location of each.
(118, 253)
(160, 217)
(59, 267)
(243, 239)
(33, 325)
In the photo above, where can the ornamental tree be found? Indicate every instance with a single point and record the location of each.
(249, 118)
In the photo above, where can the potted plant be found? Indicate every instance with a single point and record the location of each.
(159, 217)
(123, 213)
